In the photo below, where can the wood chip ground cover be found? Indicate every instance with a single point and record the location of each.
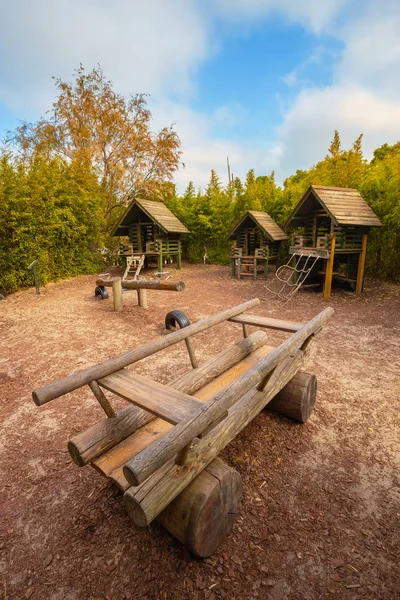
(321, 511)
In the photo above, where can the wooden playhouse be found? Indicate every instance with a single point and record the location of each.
(257, 240)
(332, 225)
(153, 232)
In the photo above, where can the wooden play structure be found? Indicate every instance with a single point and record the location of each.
(140, 286)
(330, 242)
(162, 450)
(257, 240)
(153, 234)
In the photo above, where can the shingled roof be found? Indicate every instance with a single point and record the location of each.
(345, 206)
(156, 211)
(266, 224)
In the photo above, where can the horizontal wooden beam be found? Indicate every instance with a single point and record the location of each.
(267, 322)
(152, 458)
(142, 284)
(77, 380)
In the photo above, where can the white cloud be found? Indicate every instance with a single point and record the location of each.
(157, 47)
(154, 47)
(363, 98)
(308, 127)
(314, 15)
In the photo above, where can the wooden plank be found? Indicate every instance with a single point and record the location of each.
(111, 463)
(135, 443)
(230, 375)
(211, 369)
(160, 400)
(267, 322)
(151, 459)
(76, 380)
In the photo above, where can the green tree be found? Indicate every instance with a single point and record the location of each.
(91, 123)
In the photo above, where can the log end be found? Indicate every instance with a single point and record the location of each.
(134, 509)
(204, 513)
(75, 454)
(36, 397)
(297, 399)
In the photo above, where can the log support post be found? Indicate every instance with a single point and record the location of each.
(266, 268)
(142, 298)
(296, 400)
(103, 401)
(245, 330)
(193, 360)
(179, 257)
(117, 294)
(361, 264)
(329, 269)
(160, 258)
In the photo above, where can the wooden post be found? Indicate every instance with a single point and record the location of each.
(117, 294)
(160, 256)
(142, 298)
(179, 258)
(193, 360)
(255, 267)
(245, 330)
(361, 264)
(266, 267)
(103, 401)
(238, 267)
(329, 269)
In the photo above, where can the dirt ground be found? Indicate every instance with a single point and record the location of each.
(320, 516)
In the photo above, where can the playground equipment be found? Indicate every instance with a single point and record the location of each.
(334, 226)
(153, 232)
(141, 286)
(257, 240)
(162, 452)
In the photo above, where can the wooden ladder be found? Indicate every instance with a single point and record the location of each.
(133, 263)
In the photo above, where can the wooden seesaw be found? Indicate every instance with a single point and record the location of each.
(140, 285)
(163, 452)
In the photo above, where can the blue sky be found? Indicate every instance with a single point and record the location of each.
(264, 82)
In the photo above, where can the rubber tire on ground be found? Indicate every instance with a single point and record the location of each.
(101, 292)
(176, 317)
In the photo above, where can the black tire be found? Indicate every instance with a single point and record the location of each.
(176, 317)
(101, 292)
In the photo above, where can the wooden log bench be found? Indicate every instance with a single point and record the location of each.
(162, 450)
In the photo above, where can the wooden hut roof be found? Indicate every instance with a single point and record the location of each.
(266, 224)
(345, 206)
(156, 211)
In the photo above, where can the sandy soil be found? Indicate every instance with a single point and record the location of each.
(321, 507)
